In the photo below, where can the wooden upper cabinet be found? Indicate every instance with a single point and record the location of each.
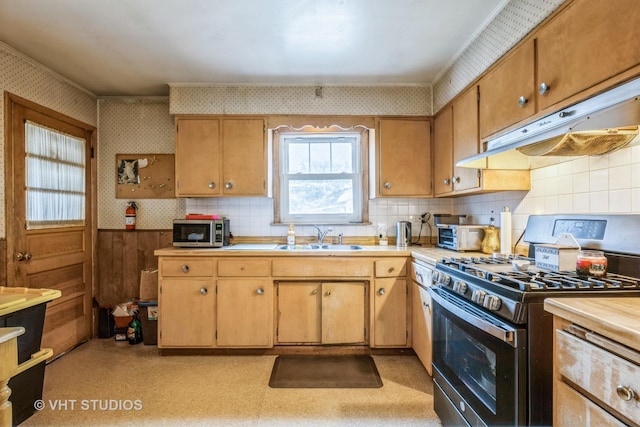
(403, 158)
(244, 162)
(507, 93)
(443, 152)
(220, 157)
(586, 44)
(198, 157)
(466, 142)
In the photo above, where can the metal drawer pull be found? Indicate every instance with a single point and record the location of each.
(392, 269)
(522, 101)
(387, 185)
(185, 268)
(203, 291)
(260, 291)
(625, 393)
(326, 294)
(381, 291)
(212, 185)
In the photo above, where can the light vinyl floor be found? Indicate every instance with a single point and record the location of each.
(109, 383)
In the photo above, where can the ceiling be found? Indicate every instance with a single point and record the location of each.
(138, 47)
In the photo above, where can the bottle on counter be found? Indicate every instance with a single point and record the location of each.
(491, 241)
(291, 236)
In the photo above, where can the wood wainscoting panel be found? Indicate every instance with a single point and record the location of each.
(122, 255)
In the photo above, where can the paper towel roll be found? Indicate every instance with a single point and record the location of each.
(505, 231)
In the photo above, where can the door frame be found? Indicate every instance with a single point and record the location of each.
(9, 101)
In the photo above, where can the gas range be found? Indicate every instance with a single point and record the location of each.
(495, 285)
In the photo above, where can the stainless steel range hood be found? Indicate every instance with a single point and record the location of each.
(599, 125)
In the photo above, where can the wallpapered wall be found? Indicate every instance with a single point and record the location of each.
(25, 77)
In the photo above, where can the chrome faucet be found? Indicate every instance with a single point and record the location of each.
(322, 234)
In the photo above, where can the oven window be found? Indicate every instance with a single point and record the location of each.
(472, 362)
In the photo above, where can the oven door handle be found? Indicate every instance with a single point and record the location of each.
(505, 334)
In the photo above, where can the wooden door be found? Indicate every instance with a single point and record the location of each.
(443, 152)
(586, 44)
(39, 254)
(244, 158)
(299, 312)
(390, 312)
(244, 313)
(198, 157)
(502, 88)
(187, 312)
(465, 139)
(404, 159)
(343, 313)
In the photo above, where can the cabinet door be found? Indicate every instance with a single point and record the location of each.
(589, 42)
(197, 157)
(465, 139)
(244, 314)
(186, 313)
(244, 158)
(443, 152)
(299, 312)
(421, 325)
(404, 158)
(507, 93)
(343, 313)
(390, 312)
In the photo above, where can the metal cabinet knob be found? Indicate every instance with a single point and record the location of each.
(326, 294)
(391, 269)
(387, 185)
(212, 185)
(228, 185)
(447, 181)
(203, 291)
(456, 180)
(260, 291)
(543, 89)
(185, 268)
(625, 393)
(522, 101)
(381, 291)
(314, 292)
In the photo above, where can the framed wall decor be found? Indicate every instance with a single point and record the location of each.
(145, 176)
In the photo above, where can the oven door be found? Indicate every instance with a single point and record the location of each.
(479, 365)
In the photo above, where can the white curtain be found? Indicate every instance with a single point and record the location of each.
(55, 178)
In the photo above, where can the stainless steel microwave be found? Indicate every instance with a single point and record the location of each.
(201, 233)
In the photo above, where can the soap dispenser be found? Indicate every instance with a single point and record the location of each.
(291, 236)
(491, 241)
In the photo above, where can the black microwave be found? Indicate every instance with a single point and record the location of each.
(201, 233)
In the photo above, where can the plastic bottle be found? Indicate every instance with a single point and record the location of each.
(134, 332)
(291, 236)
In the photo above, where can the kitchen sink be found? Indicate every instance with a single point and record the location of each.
(320, 247)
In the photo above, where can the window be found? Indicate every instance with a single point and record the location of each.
(55, 178)
(321, 177)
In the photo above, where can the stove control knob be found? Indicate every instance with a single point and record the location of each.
(478, 296)
(460, 287)
(445, 279)
(492, 302)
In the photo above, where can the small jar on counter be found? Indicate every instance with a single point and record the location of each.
(591, 264)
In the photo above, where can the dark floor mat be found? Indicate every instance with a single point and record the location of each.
(303, 371)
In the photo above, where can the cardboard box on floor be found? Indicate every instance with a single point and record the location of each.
(149, 284)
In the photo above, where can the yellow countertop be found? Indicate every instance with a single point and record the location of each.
(15, 299)
(614, 318)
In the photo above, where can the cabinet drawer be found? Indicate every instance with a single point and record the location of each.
(576, 410)
(321, 267)
(394, 267)
(243, 267)
(186, 267)
(599, 372)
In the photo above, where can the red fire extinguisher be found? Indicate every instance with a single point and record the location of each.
(130, 216)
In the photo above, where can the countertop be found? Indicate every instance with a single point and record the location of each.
(614, 318)
(16, 299)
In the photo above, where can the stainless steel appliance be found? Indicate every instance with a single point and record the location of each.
(492, 339)
(460, 237)
(201, 233)
(403, 234)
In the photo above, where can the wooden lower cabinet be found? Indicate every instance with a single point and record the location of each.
(187, 312)
(244, 313)
(421, 324)
(390, 312)
(321, 313)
